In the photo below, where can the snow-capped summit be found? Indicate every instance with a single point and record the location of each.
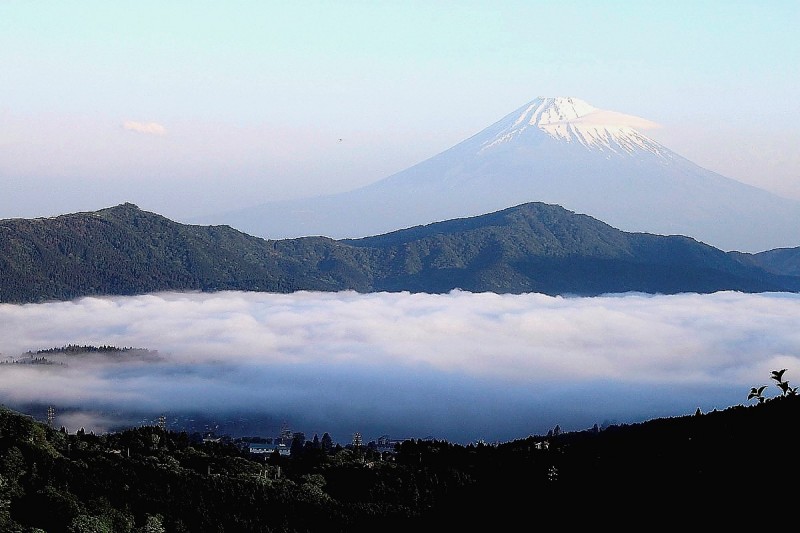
(573, 120)
(555, 150)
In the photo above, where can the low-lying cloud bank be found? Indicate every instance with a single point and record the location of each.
(459, 366)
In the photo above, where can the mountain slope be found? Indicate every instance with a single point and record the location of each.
(553, 150)
(544, 248)
(124, 250)
(529, 248)
(784, 261)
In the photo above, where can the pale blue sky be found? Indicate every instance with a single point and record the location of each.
(229, 104)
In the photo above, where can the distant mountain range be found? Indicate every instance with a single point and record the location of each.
(533, 247)
(555, 150)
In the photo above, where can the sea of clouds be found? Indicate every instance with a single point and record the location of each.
(460, 366)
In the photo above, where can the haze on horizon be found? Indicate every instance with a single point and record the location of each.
(194, 108)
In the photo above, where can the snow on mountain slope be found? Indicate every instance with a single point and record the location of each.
(573, 120)
(555, 150)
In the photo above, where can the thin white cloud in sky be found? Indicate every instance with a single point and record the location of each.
(459, 366)
(150, 128)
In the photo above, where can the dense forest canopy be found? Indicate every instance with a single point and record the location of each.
(533, 247)
(150, 479)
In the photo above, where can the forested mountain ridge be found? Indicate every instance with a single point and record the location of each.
(782, 261)
(124, 250)
(544, 248)
(532, 247)
(150, 479)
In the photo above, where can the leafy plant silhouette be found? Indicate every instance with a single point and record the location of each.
(757, 393)
(777, 375)
(786, 390)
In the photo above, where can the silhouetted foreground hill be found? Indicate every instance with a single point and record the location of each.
(529, 248)
(718, 467)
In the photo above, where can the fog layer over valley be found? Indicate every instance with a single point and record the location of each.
(459, 366)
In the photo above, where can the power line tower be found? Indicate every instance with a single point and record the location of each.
(51, 415)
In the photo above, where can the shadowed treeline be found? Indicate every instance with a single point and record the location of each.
(150, 479)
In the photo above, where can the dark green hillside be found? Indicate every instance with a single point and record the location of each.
(785, 261)
(692, 468)
(529, 248)
(124, 250)
(545, 248)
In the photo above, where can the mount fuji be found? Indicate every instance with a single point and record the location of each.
(553, 150)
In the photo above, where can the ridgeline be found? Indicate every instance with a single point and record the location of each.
(532, 247)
